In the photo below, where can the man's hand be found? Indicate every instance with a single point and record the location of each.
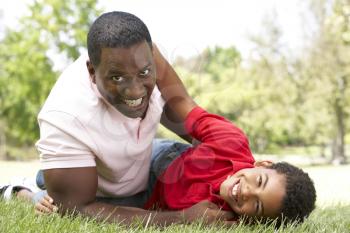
(207, 211)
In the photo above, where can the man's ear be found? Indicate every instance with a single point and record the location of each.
(263, 163)
(91, 70)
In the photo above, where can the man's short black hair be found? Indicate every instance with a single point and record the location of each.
(115, 29)
(300, 197)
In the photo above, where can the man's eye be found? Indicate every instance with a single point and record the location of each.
(145, 72)
(257, 207)
(117, 78)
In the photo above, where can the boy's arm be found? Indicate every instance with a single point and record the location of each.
(74, 191)
(178, 102)
(219, 134)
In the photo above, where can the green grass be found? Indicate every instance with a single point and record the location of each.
(16, 216)
(332, 213)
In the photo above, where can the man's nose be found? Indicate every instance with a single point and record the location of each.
(135, 89)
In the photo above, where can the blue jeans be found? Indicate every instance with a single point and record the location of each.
(163, 153)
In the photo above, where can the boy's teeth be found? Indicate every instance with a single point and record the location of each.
(234, 190)
(133, 103)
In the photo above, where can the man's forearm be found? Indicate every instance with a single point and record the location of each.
(172, 122)
(172, 88)
(126, 215)
(74, 190)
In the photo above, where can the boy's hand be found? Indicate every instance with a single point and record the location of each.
(45, 206)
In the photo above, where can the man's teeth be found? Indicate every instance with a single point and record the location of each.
(133, 103)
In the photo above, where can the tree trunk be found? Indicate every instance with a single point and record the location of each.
(2, 145)
(338, 145)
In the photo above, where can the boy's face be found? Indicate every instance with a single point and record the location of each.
(126, 77)
(257, 191)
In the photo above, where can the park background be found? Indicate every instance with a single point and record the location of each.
(278, 69)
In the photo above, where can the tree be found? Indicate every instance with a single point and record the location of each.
(274, 117)
(63, 23)
(26, 79)
(331, 73)
(26, 74)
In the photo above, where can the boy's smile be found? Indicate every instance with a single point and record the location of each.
(234, 192)
(257, 191)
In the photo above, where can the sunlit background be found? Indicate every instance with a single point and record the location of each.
(185, 28)
(278, 69)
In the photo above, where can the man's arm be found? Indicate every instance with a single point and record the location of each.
(74, 189)
(173, 122)
(178, 102)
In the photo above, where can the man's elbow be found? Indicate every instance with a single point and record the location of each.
(72, 189)
(70, 205)
(75, 209)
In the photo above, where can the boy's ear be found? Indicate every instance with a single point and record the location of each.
(91, 70)
(263, 163)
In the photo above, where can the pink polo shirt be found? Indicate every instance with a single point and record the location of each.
(78, 128)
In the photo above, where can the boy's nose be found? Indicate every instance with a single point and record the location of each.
(246, 193)
(245, 196)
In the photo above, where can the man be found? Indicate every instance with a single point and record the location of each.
(98, 124)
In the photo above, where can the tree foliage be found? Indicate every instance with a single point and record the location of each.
(327, 71)
(26, 74)
(277, 97)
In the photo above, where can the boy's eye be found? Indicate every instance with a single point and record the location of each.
(260, 181)
(257, 207)
(117, 78)
(145, 72)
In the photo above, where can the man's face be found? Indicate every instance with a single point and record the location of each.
(257, 191)
(126, 77)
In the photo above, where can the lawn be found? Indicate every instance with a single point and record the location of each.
(18, 217)
(331, 215)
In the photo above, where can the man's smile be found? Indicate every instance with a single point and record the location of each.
(132, 107)
(133, 103)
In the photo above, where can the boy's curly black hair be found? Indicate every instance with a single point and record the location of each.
(299, 200)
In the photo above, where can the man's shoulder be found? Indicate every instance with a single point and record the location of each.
(72, 94)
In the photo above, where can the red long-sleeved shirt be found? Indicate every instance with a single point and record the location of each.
(197, 174)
